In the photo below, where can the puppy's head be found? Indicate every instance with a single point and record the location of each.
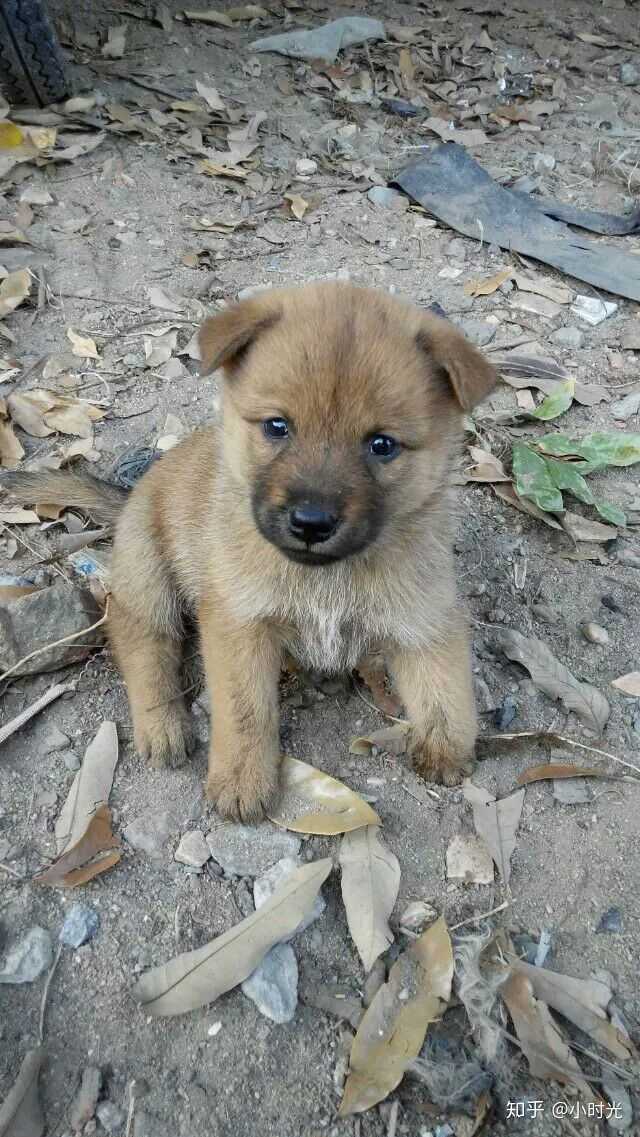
(341, 409)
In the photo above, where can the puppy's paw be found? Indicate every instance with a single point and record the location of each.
(442, 758)
(244, 793)
(165, 740)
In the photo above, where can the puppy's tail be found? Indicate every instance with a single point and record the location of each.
(101, 500)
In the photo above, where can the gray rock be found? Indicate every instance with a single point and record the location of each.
(56, 740)
(71, 761)
(273, 986)
(625, 408)
(86, 1099)
(568, 337)
(594, 633)
(80, 925)
(571, 791)
(149, 833)
(110, 1117)
(629, 74)
(28, 958)
(192, 849)
(44, 617)
(265, 886)
(388, 198)
(249, 850)
(478, 331)
(618, 1095)
(306, 166)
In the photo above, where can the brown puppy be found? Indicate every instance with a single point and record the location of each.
(315, 517)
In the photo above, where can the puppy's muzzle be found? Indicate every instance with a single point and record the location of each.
(311, 524)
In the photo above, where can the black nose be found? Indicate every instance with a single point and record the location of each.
(311, 523)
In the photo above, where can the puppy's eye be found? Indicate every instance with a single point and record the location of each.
(275, 428)
(383, 447)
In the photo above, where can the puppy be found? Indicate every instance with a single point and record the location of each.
(315, 516)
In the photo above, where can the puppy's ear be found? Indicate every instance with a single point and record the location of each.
(225, 338)
(469, 374)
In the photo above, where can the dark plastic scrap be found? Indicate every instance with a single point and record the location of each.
(454, 188)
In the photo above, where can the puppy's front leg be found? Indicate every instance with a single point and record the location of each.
(243, 668)
(436, 688)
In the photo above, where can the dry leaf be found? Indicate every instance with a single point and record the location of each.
(21, 1112)
(560, 770)
(18, 516)
(370, 883)
(525, 400)
(393, 739)
(210, 96)
(554, 679)
(546, 376)
(442, 128)
(80, 104)
(509, 495)
(393, 1028)
(114, 47)
(197, 978)
(583, 529)
(10, 135)
(248, 12)
(158, 349)
(82, 861)
(84, 145)
(485, 286)
(630, 684)
(13, 290)
(297, 204)
(486, 468)
(82, 345)
(583, 1002)
(210, 16)
(496, 822)
(313, 802)
(544, 1047)
(15, 591)
(90, 788)
(373, 673)
(11, 450)
(220, 170)
(543, 287)
(40, 412)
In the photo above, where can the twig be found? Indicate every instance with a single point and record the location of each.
(551, 736)
(135, 414)
(14, 724)
(392, 1125)
(373, 707)
(58, 643)
(132, 1108)
(12, 872)
(45, 993)
(477, 919)
(18, 537)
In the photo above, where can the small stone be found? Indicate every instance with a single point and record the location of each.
(543, 163)
(478, 331)
(28, 958)
(544, 947)
(417, 915)
(273, 986)
(537, 305)
(625, 408)
(306, 166)
(265, 886)
(388, 198)
(571, 791)
(81, 924)
(150, 832)
(44, 617)
(629, 74)
(469, 859)
(618, 1095)
(610, 921)
(214, 1029)
(594, 633)
(110, 1117)
(592, 309)
(544, 613)
(192, 850)
(71, 761)
(249, 850)
(86, 1099)
(504, 715)
(568, 337)
(56, 739)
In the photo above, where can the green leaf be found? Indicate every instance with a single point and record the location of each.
(556, 404)
(604, 448)
(533, 479)
(565, 477)
(611, 513)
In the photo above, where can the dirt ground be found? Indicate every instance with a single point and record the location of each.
(122, 220)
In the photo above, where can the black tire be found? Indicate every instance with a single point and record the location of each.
(31, 63)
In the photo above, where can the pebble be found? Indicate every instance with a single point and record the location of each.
(214, 1029)
(265, 886)
(479, 332)
(469, 860)
(610, 921)
(544, 613)
(86, 1099)
(629, 74)
(571, 791)
(56, 739)
(80, 925)
(150, 832)
(192, 849)
(46, 616)
(110, 1117)
(71, 761)
(249, 850)
(306, 167)
(273, 986)
(627, 407)
(504, 715)
(417, 915)
(594, 633)
(388, 198)
(592, 309)
(28, 958)
(618, 1095)
(568, 337)
(544, 162)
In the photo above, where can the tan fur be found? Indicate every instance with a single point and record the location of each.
(341, 363)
